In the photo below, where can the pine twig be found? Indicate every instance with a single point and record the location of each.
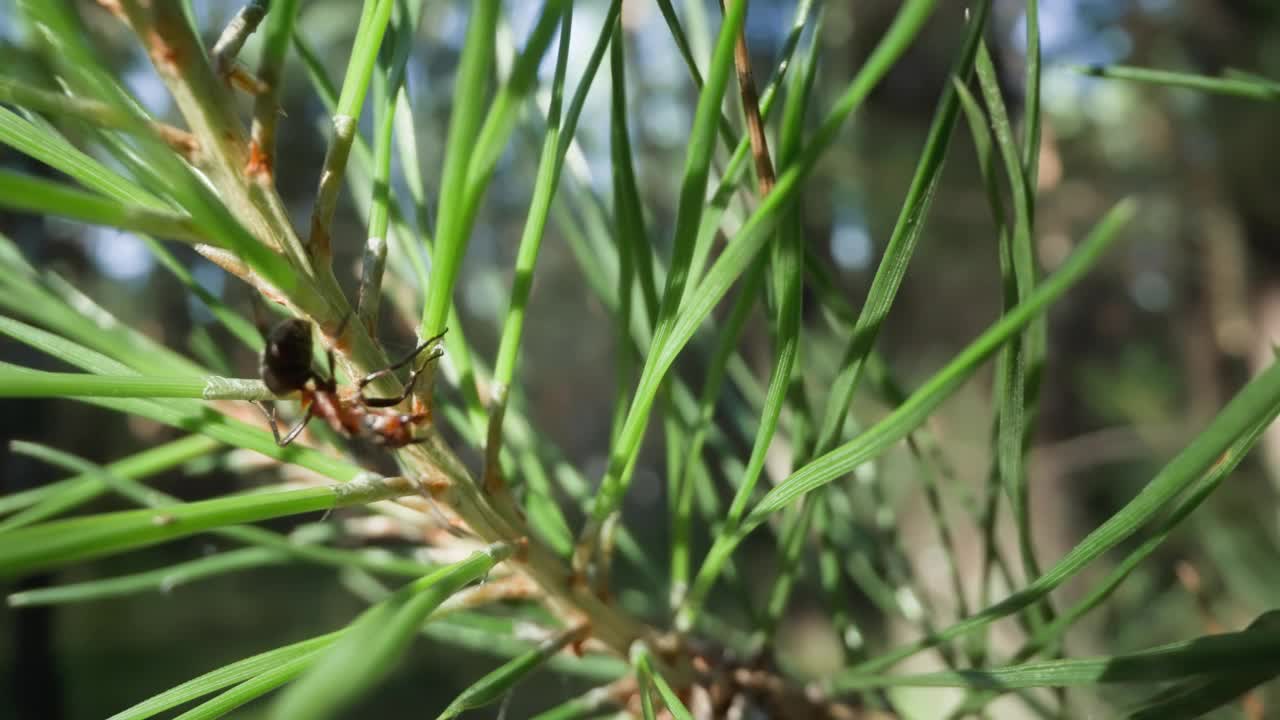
(208, 108)
(266, 105)
(751, 107)
(237, 31)
(373, 23)
(388, 80)
(232, 40)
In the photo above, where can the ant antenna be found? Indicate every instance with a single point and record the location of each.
(390, 369)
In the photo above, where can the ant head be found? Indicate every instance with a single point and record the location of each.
(286, 359)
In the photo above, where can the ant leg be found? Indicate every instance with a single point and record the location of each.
(403, 361)
(408, 390)
(295, 430)
(393, 401)
(275, 425)
(271, 420)
(413, 377)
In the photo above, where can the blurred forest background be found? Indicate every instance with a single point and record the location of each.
(1141, 355)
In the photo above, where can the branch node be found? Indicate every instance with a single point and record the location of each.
(233, 37)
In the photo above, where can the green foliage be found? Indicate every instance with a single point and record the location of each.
(371, 644)
(235, 674)
(530, 587)
(1239, 84)
(493, 687)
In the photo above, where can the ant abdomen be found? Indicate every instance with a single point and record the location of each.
(286, 359)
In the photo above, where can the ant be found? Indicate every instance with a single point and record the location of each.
(286, 368)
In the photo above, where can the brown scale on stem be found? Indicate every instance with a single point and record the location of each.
(245, 81)
(259, 166)
(162, 53)
(180, 140)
